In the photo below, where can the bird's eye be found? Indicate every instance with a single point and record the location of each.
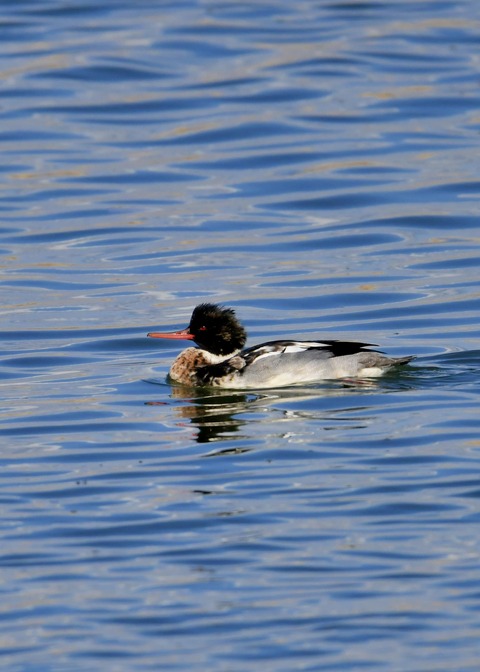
(202, 328)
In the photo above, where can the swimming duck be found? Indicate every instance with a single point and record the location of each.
(219, 360)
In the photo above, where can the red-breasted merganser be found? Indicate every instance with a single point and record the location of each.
(219, 361)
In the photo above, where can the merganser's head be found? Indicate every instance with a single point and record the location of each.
(213, 328)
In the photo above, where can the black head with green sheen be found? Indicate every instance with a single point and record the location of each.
(213, 328)
(217, 329)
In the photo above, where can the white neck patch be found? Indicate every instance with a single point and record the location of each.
(210, 358)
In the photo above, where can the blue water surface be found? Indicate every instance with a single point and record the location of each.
(314, 165)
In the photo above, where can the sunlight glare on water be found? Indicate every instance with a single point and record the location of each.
(315, 166)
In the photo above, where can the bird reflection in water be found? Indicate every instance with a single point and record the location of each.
(219, 415)
(215, 413)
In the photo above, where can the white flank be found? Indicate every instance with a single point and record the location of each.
(371, 372)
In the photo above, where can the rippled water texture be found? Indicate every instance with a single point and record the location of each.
(315, 165)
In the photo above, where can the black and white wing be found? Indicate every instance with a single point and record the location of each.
(323, 349)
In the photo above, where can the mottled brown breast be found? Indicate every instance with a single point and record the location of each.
(184, 368)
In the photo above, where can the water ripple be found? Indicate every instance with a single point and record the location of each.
(313, 165)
